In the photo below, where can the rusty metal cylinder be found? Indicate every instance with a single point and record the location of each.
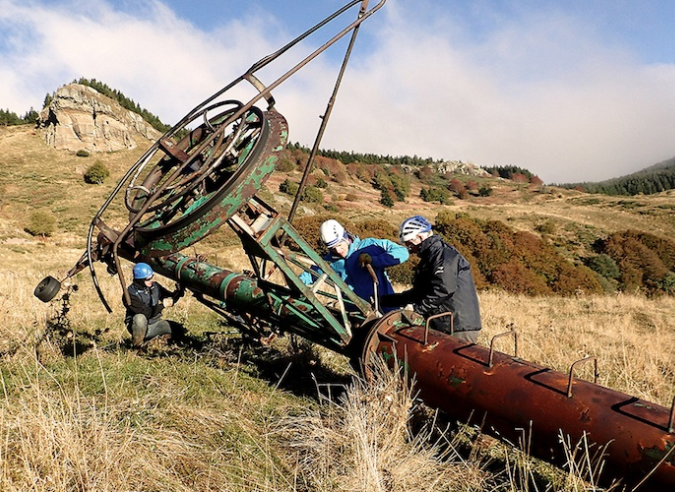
(521, 402)
(236, 289)
(240, 294)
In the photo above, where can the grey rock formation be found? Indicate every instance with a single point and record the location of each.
(459, 167)
(81, 118)
(453, 167)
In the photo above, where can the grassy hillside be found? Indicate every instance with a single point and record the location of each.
(82, 410)
(653, 179)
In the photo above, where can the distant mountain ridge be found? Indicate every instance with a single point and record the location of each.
(653, 179)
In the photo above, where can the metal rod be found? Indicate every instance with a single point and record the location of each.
(492, 343)
(326, 116)
(595, 372)
(433, 317)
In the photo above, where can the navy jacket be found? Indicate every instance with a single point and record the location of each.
(146, 300)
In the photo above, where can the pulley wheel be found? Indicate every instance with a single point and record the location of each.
(47, 289)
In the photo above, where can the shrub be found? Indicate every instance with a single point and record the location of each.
(312, 194)
(604, 266)
(516, 278)
(289, 187)
(403, 273)
(439, 195)
(97, 173)
(516, 261)
(286, 165)
(386, 199)
(82, 153)
(41, 223)
(547, 227)
(377, 228)
(485, 191)
(401, 186)
(425, 174)
(457, 187)
(643, 259)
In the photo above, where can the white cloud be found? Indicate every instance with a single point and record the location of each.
(544, 92)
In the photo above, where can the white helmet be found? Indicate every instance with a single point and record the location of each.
(413, 226)
(332, 233)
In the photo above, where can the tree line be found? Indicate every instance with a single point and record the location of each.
(10, 118)
(647, 182)
(356, 157)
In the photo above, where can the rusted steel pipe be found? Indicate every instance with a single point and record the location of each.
(511, 395)
(240, 294)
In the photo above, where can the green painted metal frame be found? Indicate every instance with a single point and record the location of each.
(260, 229)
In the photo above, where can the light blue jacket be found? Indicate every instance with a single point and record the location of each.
(384, 253)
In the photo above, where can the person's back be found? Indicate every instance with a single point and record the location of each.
(443, 282)
(445, 278)
(383, 254)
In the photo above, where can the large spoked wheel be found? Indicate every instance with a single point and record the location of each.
(205, 178)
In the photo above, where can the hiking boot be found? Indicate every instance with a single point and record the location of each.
(138, 334)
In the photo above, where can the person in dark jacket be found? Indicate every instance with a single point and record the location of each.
(144, 313)
(443, 282)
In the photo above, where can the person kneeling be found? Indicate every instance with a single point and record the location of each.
(144, 312)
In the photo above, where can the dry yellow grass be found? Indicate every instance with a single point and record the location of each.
(109, 419)
(59, 437)
(632, 336)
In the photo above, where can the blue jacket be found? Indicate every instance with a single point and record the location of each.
(384, 253)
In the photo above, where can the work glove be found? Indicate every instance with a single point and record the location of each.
(365, 259)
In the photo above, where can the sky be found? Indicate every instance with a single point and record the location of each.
(573, 91)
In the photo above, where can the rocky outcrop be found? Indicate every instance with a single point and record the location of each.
(453, 167)
(459, 167)
(81, 118)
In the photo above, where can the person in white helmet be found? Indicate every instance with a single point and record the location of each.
(443, 282)
(349, 256)
(144, 312)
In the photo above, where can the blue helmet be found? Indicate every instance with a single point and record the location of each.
(142, 271)
(413, 226)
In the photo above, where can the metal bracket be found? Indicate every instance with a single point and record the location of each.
(595, 373)
(492, 344)
(440, 315)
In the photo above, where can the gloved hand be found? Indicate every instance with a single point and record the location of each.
(365, 259)
(178, 293)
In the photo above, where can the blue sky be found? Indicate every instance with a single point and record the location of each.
(571, 90)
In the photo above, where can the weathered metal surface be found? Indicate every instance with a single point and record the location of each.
(259, 227)
(213, 209)
(519, 401)
(211, 177)
(243, 295)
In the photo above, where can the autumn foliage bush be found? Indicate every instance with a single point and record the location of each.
(515, 261)
(645, 261)
(521, 262)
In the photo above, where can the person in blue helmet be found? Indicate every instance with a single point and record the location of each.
(144, 312)
(443, 282)
(349, 256)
